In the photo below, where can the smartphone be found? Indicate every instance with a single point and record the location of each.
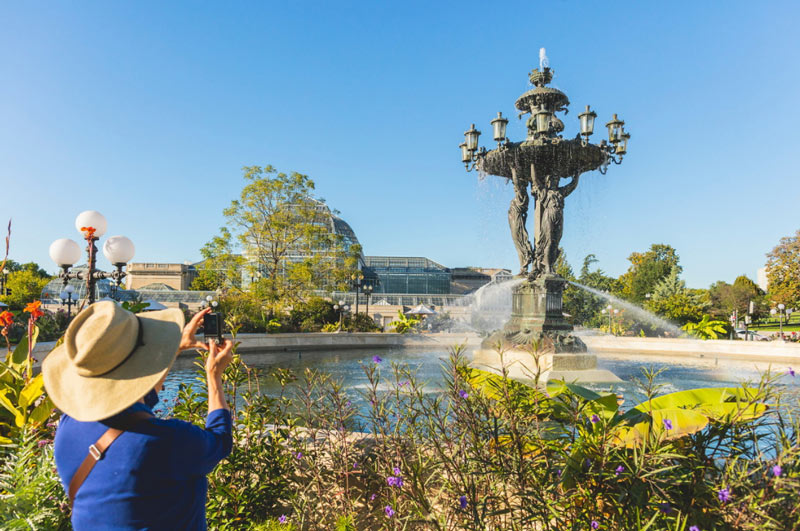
(212, 327)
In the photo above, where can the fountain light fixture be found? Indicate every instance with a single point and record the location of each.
(65, 252)
(544, 128)
(68, 298)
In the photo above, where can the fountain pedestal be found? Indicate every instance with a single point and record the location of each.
(537, 318)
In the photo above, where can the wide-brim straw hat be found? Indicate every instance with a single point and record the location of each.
(110, 359)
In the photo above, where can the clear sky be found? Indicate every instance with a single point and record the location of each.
(146, 111)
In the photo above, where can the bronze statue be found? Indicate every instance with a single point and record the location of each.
(517, 217)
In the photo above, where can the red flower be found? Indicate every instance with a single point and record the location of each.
(6, 319)
(33, 309)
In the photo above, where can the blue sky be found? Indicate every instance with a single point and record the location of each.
(146, 111)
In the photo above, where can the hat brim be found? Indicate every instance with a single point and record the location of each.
(88, 398)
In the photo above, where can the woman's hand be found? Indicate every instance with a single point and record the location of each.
(188, 339)
(219, 356)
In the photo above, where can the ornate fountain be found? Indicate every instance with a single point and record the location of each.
(541, 162)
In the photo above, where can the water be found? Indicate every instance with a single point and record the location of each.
(635, 312)
(490, 305)
(347, 366)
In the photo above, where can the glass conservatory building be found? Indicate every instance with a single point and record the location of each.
(406, 274)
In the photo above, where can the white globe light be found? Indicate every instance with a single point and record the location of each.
(119, 249)
(69, 289)
(65, 252)
(94, 219)
(781, 306)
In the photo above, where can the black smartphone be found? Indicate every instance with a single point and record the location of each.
(212, 327)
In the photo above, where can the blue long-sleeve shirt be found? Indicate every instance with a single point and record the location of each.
(153, 477)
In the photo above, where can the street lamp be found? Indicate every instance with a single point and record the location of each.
(367, 291)
(68, 298)
(781, 312)
(119, 250)
(356, 277)
(341, 307)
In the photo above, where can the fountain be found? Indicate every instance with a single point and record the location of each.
(541, 161)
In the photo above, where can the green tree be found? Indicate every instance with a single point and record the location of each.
(783, 271)
(647, 270)
(284, 235)
(33, 267)
(583, 306)
(726, 298)
(25, 285)
(221, 268)
(671, 299)
(707, 328)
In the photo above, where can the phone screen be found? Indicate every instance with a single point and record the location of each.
(211, 325)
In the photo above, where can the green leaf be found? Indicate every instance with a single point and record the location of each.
(684, 422)
(604, 405)
(698, 398)
(19, 418)
(495, 387)
(41, 412)
(20, 356)
(32, 391)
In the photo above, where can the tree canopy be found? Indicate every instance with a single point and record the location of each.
(647, 270)
(783, 271)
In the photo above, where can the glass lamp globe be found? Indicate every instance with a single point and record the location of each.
(69, 289)
(499, 126)
(781, 306)
(543, 118)
(94, 219)
(465, 154)
(587, 121)
(119, 250)
(472, 138)
(773, 311)
(65, 252)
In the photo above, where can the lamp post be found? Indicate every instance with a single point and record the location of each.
(68, 298)
(3, 282)
(781, 311)
(341, 307)
(356, 277)
(367, 291)
(119, 250)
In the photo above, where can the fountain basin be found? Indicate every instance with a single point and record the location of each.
(523, 365)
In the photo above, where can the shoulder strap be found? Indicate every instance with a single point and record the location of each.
(98, 449)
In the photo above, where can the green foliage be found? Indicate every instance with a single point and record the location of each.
(647, 270)
(31, 495)
(584, 307)
(275, 220)
(221, 268)
(726, 298)
(672, 300)
(23, 404)
(404, 323)
(360, 322)
(707, 328)
(26, 285)
(783, 271)
(311, 315)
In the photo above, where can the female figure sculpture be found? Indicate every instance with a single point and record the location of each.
(549, 218)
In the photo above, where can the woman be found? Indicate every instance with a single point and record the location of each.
(122, 467)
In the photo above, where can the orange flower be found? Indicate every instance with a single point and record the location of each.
(6, 318)
(33, 309)
(89, 232)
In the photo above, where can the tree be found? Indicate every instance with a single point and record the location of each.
(783, 271)
(33, 267)
(671, 299)
(582, 305)
(221, 267)
(283, 232)
(26, 286)
(706, 328)
(726, 298)
(647, 270)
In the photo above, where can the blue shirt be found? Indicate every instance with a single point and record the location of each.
(153, 477)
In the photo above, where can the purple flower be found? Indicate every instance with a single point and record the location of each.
(43, 442)
(790, 372)
(282, 519)
(355, 464)
(619, 470)
(588, 463)
(463, 394)
(389, 511)
(396, 471)
(595, 524)
(394, 481)
(298, 455)
(595, 419)
(348, 404)
(667, 424)
(777, 471)
(403, 383)
(724, 495)
(558, 472)
(665, 507)
(377, 359)
(372, 498)
(694, 528)
(463, 501)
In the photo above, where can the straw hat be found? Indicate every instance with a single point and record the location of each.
(110, 358)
